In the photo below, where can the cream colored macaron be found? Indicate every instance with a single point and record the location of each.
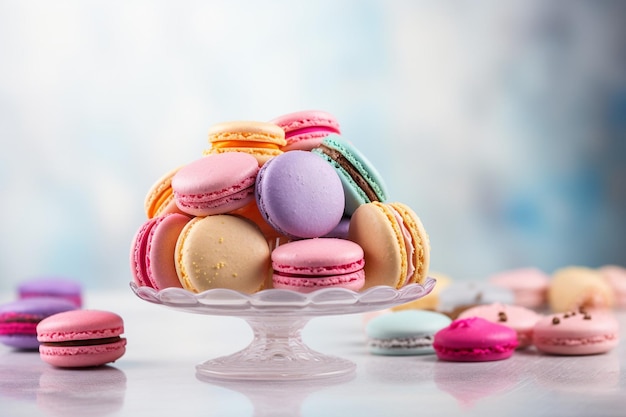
(395, 243)
(575, 286)
(222, 251)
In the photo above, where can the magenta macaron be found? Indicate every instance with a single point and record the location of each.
(215, 184)
(475, 339)
(81, 338)
(304, 130)
(311, 264)
(19, 319)
(152, 251)
(299, 195)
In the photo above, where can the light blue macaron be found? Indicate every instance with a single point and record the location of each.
(361, 181)
(406, 332)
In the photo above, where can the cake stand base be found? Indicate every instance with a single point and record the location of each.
(276, 353)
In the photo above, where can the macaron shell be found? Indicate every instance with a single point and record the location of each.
(82, 356)
(577, 333)
(249, 131)
(222, 251)
(80, 325)
(215, 184)
(321, 256)
(138, 254)
(351, 281)
(375, 229)
(299, 195)
(474, 340)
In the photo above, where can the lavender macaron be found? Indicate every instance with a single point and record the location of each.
(19, 319)
(300, 195)
(52, 287)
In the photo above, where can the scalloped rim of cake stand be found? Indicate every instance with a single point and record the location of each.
(277, 317)
(327, 301)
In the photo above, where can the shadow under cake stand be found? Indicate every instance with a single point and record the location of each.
(277, 317)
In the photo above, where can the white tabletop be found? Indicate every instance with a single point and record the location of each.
(157, 376)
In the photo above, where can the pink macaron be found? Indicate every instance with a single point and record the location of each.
(304, 130)
(529, 285)
(577, 333)
(216, 183)
(520, 319)
(311, 264)
(81, 338)
(152, 251)
(475, 340)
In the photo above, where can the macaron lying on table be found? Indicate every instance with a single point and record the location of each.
(407, 332)
(475, 339)
(577, 332)
(81, 338)
(19, 319)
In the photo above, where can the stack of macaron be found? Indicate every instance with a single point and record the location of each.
(285, 204)
(48, 317)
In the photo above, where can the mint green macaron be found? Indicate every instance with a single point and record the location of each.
(361, 181)
(406, 332)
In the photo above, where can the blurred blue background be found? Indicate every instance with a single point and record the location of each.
(502, 123)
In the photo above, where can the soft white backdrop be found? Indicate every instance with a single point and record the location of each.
(502, 123)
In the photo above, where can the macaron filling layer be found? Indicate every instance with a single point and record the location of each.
(415, 342)
(309, 131)
(85, 342)
(581, 341)
(243, 144)
(408, 245)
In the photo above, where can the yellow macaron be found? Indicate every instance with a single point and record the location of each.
(262, 140)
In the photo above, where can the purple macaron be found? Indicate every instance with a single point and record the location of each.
(19, 319)
(52, 287)
(300, 195)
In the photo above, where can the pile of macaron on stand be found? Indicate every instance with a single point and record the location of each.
(291, 206)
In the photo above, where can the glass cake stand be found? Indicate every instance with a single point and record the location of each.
(277, 317)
